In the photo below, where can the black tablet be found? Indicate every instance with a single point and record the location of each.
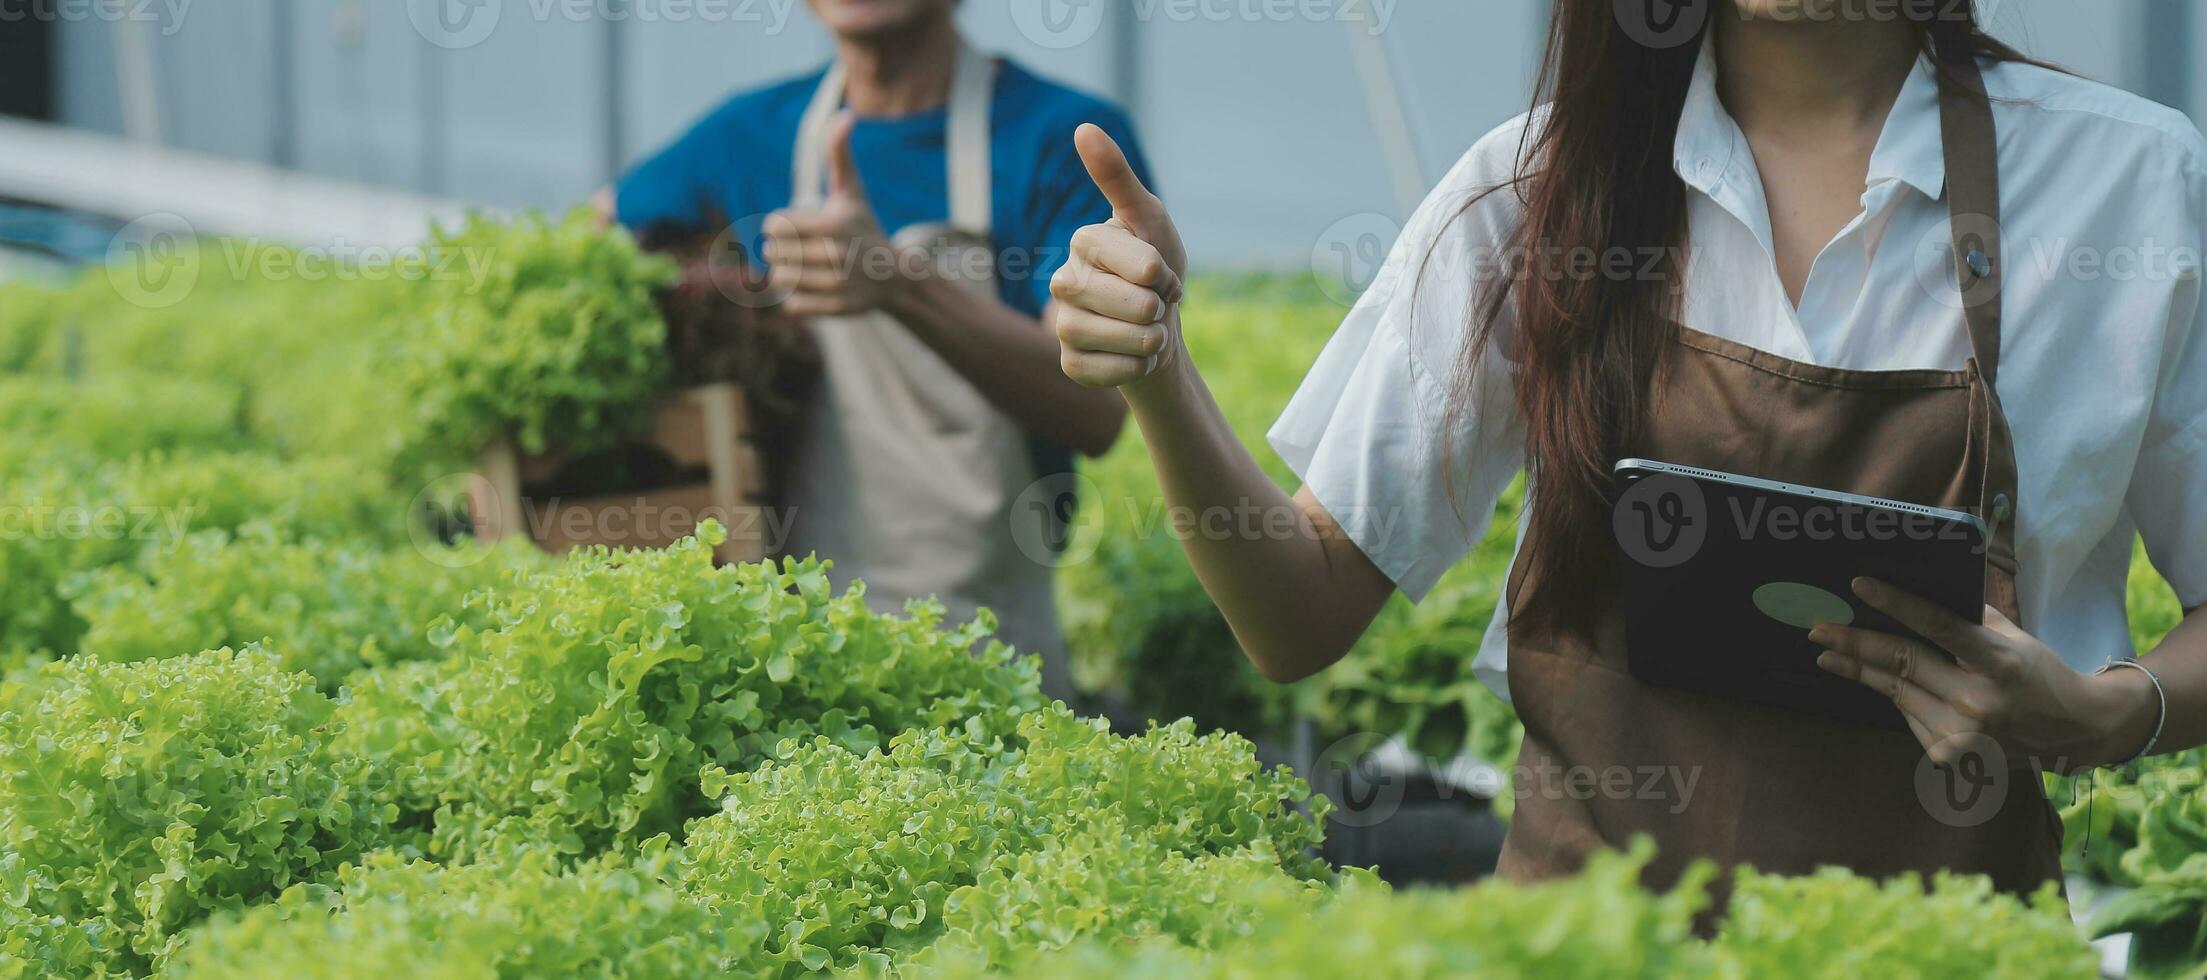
(1724, 576)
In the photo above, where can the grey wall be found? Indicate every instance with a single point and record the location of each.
(1262, 131)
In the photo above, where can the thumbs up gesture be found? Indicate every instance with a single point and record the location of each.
(1118, 315)
(833, 260)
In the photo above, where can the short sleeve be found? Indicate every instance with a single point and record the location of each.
(670, 186)
(1404, 441)
(1065, 199)
(2166, 498)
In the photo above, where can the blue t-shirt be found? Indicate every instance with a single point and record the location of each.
(737, 161)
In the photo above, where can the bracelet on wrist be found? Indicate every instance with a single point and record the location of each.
(2161, 697)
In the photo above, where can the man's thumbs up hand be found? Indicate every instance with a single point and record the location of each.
(844, 184)
(1118, 313)
(829, 260)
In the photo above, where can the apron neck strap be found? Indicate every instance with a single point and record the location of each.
(1973, 200)
(1973, 209)
(972, 96)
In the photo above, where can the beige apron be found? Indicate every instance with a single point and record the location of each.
(1781, 791)
(907, 474)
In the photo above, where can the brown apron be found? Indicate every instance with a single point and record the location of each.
(1607, 758)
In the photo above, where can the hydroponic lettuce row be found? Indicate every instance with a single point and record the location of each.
(1602, 924)
(581, 710)
(141, 798)
(447, 761)
(527, 916)
(989, 846)
(70, 518)
(328, 610)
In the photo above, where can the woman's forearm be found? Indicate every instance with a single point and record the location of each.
(1295, 590)
(2181, 663)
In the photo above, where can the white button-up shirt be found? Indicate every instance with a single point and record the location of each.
(2103, 370)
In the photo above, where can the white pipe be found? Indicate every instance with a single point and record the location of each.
(141, 98)
(1390, 118)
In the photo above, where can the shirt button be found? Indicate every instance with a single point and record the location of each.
(1979, 264)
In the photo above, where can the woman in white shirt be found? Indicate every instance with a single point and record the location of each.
(1774, 237)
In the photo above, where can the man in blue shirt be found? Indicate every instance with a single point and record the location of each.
(945, 406)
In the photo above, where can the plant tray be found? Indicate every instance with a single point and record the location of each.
(705, 464)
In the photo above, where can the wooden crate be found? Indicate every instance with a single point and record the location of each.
(706, 426)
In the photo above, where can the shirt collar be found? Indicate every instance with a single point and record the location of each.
(1709, 143)
(1911, 149)
(1710, 149)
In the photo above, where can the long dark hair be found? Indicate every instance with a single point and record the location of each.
(1596, 179)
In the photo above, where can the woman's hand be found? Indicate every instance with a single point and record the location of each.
(2000, 683)
(1118, 314)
